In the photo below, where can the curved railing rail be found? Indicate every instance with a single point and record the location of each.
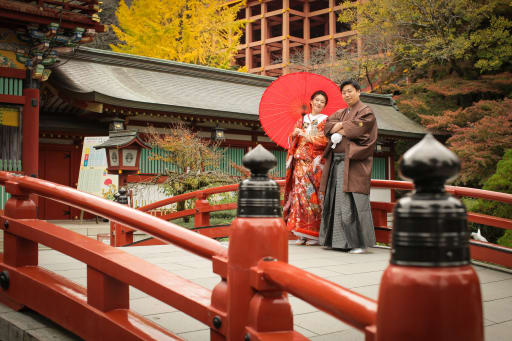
(319, 292)
(158, 228)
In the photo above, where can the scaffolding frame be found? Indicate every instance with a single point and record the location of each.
(278, 29)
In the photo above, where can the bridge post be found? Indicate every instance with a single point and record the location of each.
(258, 231)
(120, 235)
(430, 291)
(380, 217)
(105, 292)
(201, 218)
(18, 251)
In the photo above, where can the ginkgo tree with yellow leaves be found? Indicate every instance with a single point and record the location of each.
(204, 32)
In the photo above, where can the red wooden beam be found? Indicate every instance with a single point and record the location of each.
(28, 13)
(455, 190)
(12, 73)
(220, 207)
(195, 194)
(12, 99)
(392, 184)
(491, 253)
(385, 206)
(490, 220)
(30, 145)
(146, 242)
(383, 234)
(214, 231)
(179, 214)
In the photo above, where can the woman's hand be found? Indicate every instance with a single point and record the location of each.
(305, 136)
(296, 132)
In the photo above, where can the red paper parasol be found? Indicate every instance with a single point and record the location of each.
(284, 101)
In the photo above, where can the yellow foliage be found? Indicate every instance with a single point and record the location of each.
(203, 32)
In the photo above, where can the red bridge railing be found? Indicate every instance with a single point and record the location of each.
(250, 301)
(110, 272)
(482, 251)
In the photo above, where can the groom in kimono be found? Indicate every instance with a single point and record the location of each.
(347, 218)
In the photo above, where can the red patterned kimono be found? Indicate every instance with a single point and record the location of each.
(302, 209)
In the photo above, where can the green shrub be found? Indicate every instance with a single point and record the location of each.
(501, 181)
(506, 239)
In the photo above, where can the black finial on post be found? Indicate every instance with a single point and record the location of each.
(430, 226)
(121, 196)
(429, 164)
(259, 196)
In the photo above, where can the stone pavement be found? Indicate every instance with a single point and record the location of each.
(360, 273)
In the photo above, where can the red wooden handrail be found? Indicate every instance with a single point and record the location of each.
(479, 194)
(455, 190)
(250, 290)
(158, 228)
(392, 184)
(356, 310)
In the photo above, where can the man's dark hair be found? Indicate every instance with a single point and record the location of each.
(320, 92)
(353, 82)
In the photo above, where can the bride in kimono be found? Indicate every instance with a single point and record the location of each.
(302, 209)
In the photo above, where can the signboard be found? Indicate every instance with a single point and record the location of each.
(9, 116)
(93, 177)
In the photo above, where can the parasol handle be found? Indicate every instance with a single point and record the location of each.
(304, 107)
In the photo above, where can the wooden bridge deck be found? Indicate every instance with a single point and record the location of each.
(361, 273)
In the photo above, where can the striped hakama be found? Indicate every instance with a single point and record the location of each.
(347, 217)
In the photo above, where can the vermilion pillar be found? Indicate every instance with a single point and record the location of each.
(257, 232)
(30, 140)
(430, 291)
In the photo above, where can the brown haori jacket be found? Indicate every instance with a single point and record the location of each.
(358, 144)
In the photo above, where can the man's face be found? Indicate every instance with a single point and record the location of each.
(350, 94)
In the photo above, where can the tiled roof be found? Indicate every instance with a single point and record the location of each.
(153, 84)
(389, 120)
(121, 139)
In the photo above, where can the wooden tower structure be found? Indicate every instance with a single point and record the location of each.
(281, 35)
